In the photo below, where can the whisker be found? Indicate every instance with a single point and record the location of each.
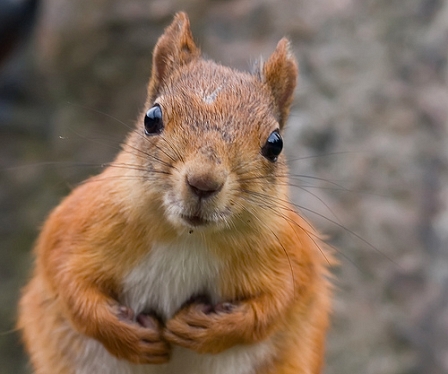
(177, 153)
(66, 164)
(284, 250)
(312, 235)
(305, 188)
(138, 152)
(329, 154)
(320, 200)
(298, 176)
(285, 204)
(160, 148)
(100, 141)
(351, 232)
(261, 200)
(96, 180)
(127, 166)
(133, 129)
(151, 156)
(102, 113)
(304, 183)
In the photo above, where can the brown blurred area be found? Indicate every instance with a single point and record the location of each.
(367, 142)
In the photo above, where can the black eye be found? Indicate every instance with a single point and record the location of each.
(153, 120)
(273, 146)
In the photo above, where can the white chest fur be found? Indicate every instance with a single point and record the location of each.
(167, 277)
(170, 275)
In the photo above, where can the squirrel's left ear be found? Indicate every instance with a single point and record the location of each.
(280, 74)
(173, 49)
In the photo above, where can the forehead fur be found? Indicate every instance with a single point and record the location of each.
(207, 93)
(213, 82)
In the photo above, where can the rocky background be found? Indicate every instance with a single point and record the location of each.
(367, 144)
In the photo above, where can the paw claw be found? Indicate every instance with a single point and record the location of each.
(125, 313)
(206, 308)
(147, 321)
(224, 307)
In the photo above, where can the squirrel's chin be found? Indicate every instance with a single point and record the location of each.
(194, 223)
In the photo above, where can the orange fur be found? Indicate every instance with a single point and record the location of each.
(271, 280)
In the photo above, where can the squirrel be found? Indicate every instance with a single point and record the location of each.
(185, 255)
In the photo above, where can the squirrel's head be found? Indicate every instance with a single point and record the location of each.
(210, 140)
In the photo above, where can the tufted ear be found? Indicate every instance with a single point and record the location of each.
(280, 75)
(174, 49)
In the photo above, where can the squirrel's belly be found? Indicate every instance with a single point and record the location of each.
(236, 360)
(169, 275)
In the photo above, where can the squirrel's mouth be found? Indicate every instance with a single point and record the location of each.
(195, 221)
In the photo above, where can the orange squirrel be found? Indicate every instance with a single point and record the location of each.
(185, 254)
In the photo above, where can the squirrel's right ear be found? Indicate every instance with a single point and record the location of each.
(173, 49)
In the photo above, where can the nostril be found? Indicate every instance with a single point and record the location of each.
(204, 186)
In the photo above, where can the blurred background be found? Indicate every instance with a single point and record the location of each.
(367, 142)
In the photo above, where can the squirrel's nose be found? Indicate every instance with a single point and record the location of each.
(204, 185)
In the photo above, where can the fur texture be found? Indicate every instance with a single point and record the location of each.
(185, 254)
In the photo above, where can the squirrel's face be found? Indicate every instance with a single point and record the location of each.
(210, 138)
(213, 146)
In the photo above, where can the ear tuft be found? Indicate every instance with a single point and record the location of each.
(280, 75)
(174, 49)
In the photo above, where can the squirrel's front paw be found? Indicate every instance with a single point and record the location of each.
(140, 342)
(207, 329)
